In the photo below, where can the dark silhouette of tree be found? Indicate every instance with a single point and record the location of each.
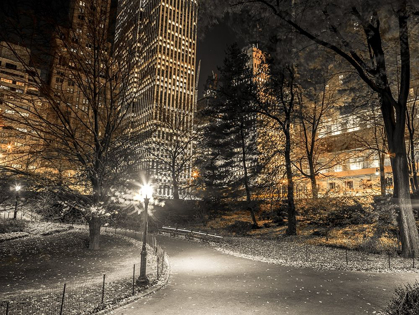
(81, 122)
(365, 36)
(276, 100)
(231, 130)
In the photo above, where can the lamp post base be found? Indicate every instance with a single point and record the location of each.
(142, 281)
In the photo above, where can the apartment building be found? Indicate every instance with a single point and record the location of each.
(19, 104)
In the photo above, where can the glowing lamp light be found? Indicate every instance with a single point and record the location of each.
(18, 187)
(146, 191)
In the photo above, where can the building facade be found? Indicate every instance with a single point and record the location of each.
(19, 104)
(156, 42)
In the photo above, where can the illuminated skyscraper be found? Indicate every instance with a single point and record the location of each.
(156, 41)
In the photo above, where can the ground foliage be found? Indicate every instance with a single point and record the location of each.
(405, 302)
(339, 211)
(9, 226)
(49, 261)
(36, 268)
(13, 229)
(362, 223)
(290, 251)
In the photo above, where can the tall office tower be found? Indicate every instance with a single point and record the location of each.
(156, 41)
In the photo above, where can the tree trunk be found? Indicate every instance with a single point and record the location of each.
(175, 190)
(407, 223)
(413, 164)
(175, 181)
(382, 175)
(313, 181)
(94, 233)
(395, 136)
(292, 220)
(95, 221)
(246, 178)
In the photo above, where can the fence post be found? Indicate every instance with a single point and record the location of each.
(389, 262)
(413, 259)
(162, 261)
(133, 280)
(158, 263)
(103, 288)
(306, 252)
(7, 308)
(62, 300)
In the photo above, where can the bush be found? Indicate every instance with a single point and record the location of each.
(240, 227)
(378, 244)
(10, 225)
(406, 301)
(337, 211)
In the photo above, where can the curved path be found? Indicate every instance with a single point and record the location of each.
(205, 281)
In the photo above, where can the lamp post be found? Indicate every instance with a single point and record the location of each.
(146, 193)
(17, 188)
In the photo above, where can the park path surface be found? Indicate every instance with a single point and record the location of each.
(205, 281)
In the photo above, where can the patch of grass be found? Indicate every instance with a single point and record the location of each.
(347, 222)
(10, 226)
(40, 265)
(47, 260)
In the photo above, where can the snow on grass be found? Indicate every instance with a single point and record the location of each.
(35, 269)
(319, 257)
(12, 236)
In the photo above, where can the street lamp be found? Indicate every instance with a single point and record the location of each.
(146, 192)
(16, 188)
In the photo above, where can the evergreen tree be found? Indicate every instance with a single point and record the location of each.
(231, 131)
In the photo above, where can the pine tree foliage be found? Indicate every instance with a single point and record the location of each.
(231, 132)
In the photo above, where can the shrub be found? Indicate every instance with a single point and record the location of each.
(240, 227)
(337, 211)
(406, 301)
(9, 225)
(378, 244)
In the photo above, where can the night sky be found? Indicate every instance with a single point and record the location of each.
(211, 50)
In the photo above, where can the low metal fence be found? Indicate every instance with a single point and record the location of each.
(321, 257)
(86, 297)
(189, 234)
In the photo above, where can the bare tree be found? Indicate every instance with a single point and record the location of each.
(276, 100)
(81, 121)
(172, 153)
(365, 35)
(316, 106)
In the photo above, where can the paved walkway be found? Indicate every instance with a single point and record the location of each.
(205, 281)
